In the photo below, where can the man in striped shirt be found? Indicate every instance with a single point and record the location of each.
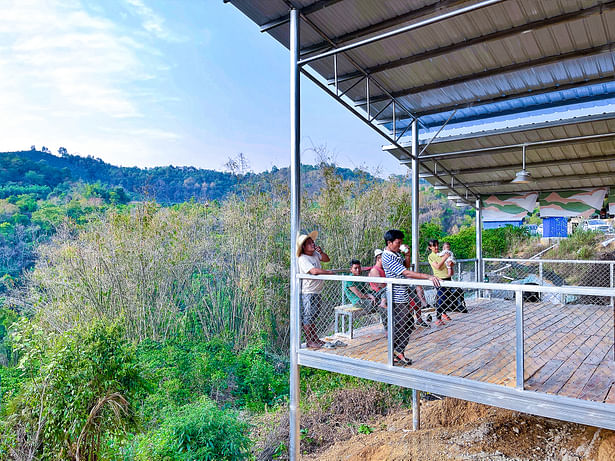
(396, 266)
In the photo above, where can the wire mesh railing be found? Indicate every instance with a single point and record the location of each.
(555, 273)
(530, 337)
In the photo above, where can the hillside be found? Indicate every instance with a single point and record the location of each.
(454, 429)
(44, 171)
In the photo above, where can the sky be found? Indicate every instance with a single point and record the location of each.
(158, 82)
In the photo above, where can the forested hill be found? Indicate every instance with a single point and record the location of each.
(38, 172)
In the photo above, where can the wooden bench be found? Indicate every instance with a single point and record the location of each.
(344, 319)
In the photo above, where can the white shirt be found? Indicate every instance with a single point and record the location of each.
(304, 264)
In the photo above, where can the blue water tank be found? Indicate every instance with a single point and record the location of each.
(555, 227)
(498, 224)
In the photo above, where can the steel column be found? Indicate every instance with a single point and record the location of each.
(479, 242)
(416, 394)
(520, 339)
(295, 226)
(390, 324)
(416, 409)
(611, 277)
(415, 195)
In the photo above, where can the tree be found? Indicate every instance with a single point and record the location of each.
(62, 151)
(80, 389)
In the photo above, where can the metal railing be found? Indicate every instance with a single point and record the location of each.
(556, 273)
(376, 318)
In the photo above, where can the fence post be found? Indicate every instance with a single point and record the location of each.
(390, 324)
(612, 284)
(520, 340)
(540, 273)
(416, 409)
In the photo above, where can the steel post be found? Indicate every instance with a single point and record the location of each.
(390, 324)
(415, 195)
(612, 284)
(520, 340)
(540, 274)
(416, 409)
(295, 225)
(480, 264)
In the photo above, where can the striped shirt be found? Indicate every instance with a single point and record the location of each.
(393, 265)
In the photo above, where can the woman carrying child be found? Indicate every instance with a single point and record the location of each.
(437, 261)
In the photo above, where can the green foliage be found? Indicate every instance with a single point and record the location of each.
(365, 429)
(262, 381)
(251, 378)
(497, 243)
(79, 387)
(7, 318)
(198, 431)
(581, 244)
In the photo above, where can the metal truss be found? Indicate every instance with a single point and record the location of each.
(466, 194)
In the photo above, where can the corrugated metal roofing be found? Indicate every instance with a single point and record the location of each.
(500, 60)
(556, 156)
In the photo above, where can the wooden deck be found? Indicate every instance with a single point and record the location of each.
(568, 349)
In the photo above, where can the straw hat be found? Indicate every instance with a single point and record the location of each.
(302, 238)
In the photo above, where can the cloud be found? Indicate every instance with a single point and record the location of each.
(153, 23)
(58, 54)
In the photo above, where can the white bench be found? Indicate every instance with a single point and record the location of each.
(344, 319)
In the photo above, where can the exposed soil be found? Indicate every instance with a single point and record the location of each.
(454, 429)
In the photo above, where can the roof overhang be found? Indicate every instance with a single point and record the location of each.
(460, 63)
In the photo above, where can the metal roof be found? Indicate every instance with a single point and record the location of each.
(497, 59)
(563, 154)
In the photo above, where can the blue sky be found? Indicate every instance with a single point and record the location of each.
(153, 82)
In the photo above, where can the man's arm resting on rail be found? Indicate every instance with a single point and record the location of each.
(418, 275)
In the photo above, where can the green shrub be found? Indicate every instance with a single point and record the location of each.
(198, 432)
(497, 243)
(260, 383)
(78, 388)
(581, 244)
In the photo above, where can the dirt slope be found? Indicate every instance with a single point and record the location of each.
(454, 429)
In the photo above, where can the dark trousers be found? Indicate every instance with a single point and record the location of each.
(403, 324)
(443, 300)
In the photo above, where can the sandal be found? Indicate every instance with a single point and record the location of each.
(401, 360)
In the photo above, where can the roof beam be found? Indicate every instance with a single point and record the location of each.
(515, 166)
(506, 97)
(569, 177)
(430, 54)
(519, 110)
(542, 61)
(402, 30)
(392, 22)
(503, 149)
(281, 20)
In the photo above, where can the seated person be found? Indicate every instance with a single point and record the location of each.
(450, 261)
(378, 289)
(356, 292)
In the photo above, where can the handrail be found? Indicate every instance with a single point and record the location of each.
(568, 289)
(550, 261)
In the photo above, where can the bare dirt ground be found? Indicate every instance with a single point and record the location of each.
(454, 429)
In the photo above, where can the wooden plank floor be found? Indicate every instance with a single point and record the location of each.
(568, 349)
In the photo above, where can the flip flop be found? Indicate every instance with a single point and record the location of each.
(401, 359)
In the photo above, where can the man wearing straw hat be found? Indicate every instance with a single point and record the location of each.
(309, 256)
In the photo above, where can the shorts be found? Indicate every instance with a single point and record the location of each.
(311, 303)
